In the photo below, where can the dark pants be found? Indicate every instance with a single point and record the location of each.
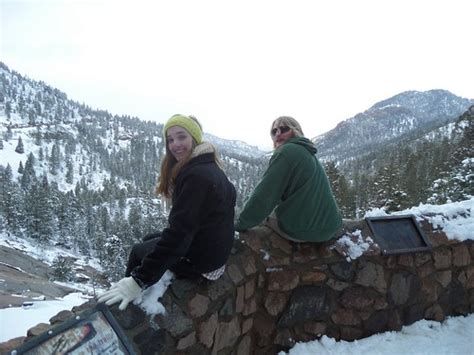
(182, 269)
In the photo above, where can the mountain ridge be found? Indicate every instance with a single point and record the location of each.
(408, 113)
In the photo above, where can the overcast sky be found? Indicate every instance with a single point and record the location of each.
(237, 65)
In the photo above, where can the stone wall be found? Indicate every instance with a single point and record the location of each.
(275, 293)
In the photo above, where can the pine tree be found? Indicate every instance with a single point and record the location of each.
(62, 268)
(39, 211)
(29, 175)
(135, 221)
(341, 190)
(54, 160)
(20, 149)
(69, 170)
(11, 201)
(114, 258)
(8, 109)
(20, 167)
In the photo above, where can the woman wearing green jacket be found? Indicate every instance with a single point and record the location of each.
(294, 196)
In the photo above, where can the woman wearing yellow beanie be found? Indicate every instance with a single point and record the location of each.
(200, 232)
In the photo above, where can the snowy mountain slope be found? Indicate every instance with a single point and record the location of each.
(409, 115)
(84, 178)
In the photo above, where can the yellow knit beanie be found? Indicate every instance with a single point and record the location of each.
(190, 125)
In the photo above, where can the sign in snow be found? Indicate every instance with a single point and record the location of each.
(93, 332)
(398, 234)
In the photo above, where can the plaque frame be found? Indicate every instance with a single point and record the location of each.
(79, 329)
(417, 241)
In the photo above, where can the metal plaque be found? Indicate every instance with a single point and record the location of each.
(398, 234)
(93, 332)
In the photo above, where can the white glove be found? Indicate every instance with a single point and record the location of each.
(126, 290)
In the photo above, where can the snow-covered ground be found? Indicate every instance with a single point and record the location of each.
(15, 321)
(454, 336)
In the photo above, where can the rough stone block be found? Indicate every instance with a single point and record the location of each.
(435, 312)
(276, 260)
(444, 277)
(343, 316)
(61, 317)
(183, 287)
(337, 285)
(249, 288)
(198, 305)
(249, 265)
(227, 308)
(453, 295)
(351, 333)
(222, 286)
(280, 243)
(275, 302)
(130, 317)
(250, 307)
(235, 273)
(413, 314)
(430, 290)
(226, 335)
(421, 258)
(306, 303)
(406, 260)
(265, 329)
(38, 329)
(245, 346)
(239, 299)
(305, 253)
(343, 270)
(153, 341)
(11, 344)
(461, 256)
(442, 259)
(395, 321)
(377, 322)
(402, 287)
(313, 277)
(206, 331)
(315, 328)
(186, 342)
(470, 278)
(175, 321)
(247, 325)
(283, 280)
(426, 269)
(284, 338)
(358, 298)
(372, 275)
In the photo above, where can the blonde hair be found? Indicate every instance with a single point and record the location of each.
(290, 122)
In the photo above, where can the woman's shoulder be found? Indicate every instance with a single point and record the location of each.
(202, 166)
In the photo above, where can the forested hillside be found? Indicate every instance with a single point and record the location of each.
(437, 167)
(83, 178)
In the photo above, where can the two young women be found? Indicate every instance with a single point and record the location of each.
(294, 198)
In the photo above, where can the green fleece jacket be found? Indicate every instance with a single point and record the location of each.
(296, 184)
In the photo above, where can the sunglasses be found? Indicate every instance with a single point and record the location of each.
(282, 129)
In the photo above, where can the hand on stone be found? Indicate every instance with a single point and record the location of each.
(124, 291)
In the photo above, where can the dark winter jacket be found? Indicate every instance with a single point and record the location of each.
(201, 222)
(296, 184)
